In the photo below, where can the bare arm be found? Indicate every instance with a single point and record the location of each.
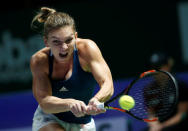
(43, 93)
(101, 72)
(182, 109)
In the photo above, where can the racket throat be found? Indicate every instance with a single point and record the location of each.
(114, 108)
(151, 120)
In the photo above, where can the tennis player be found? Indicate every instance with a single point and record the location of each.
(177, 121)
(65, 73)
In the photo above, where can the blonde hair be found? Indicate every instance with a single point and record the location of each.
(49, 19)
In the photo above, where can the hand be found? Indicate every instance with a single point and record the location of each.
(155, 126)
(78, 108)
(92, 107)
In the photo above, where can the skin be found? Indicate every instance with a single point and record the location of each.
(61, 42)
(182, 107)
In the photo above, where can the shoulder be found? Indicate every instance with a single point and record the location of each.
(39, 61)
(87, 47)
(86, 44)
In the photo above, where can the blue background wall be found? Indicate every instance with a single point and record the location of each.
(17, 111)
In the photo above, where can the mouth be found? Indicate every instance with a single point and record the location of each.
(63, 55)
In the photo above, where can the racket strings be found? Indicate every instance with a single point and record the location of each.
(154, 96)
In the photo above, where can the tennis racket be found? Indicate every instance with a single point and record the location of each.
(155, 94)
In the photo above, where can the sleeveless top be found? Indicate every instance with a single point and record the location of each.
(79, 86)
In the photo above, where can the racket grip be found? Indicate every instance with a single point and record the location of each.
(100, 106)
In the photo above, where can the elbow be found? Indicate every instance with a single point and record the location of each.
(112, 91)
(45, 106)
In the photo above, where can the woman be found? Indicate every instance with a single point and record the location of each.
(65, 73)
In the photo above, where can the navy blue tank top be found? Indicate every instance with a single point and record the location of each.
(79, 86)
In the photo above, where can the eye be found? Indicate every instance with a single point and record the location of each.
(68, 40)
(56, 42)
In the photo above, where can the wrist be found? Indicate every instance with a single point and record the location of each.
(97, 98)
(163, 125)
(69, 103)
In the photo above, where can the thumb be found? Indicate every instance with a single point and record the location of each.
(92, 101)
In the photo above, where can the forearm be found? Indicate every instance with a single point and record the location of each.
(173, 121)
(105, 92)
(180, 116)
(51, 104)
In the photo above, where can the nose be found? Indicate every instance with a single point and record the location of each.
(64, 46)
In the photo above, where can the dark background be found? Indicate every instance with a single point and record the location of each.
(127, 32)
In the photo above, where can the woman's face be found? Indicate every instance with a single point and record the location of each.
(61, 41)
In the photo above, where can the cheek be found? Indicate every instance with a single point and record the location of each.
(55, 50)
(71, 46)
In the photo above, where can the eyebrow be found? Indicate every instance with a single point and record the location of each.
(54, 37)
(65, 37)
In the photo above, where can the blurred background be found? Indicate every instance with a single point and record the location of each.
(127, 32)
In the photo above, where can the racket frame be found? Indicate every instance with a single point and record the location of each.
(126, 90)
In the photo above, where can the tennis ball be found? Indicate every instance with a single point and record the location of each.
(126, 102)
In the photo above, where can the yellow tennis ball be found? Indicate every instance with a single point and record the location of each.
(126, 102)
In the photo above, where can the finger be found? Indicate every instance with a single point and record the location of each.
(78, 114)
(73, 110)
(98, 111)
(92, 111)
(78, 107)
(83, 107)
(79, 110)
(89, 110)
(91, 102)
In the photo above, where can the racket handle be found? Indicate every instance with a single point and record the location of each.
(100, 106)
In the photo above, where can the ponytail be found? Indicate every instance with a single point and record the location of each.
(48, 19)
(40, 18)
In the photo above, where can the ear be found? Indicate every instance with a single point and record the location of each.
(45, 41)
(76, 35)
